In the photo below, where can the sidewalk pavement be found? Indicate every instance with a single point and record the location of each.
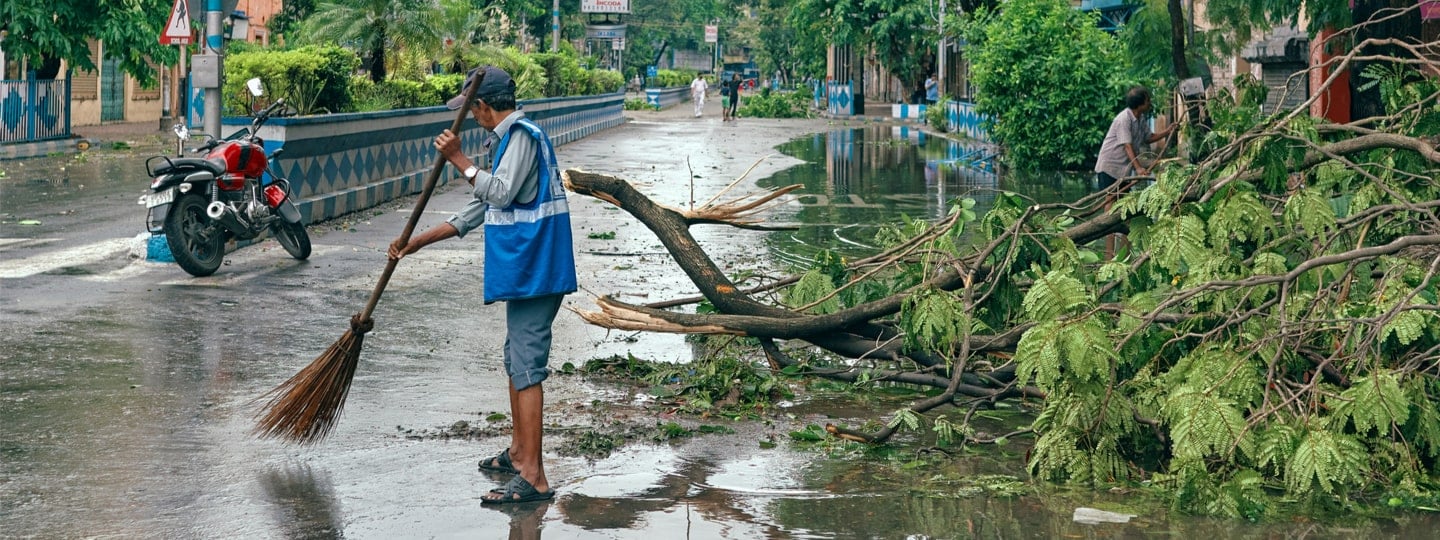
(85, 137)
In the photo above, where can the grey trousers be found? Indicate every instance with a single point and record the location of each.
(527, 339)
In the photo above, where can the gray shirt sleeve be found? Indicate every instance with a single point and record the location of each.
(513, 180)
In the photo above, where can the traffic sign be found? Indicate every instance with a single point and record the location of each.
(650, 71)
(177, 30)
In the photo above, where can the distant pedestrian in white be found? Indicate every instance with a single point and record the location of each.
(697, 93)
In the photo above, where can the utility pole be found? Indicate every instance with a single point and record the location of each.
(941, 56)
(555, 26)
(213, 44)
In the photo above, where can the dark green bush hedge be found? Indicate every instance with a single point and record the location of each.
(768, 104)
(311, 79)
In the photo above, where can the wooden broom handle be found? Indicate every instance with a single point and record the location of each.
(424, 199)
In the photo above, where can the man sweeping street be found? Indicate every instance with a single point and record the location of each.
(529, 262)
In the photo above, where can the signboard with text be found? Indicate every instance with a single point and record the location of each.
(604, 31)
(712, 33)
(605, 6)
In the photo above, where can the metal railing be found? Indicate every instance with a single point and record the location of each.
(34, 110)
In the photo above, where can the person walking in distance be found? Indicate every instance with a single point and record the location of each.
(1129, 135)
(529, 262)
(697, 93)
(731, 89)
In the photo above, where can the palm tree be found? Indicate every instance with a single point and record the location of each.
(373, 26)
(462, 28)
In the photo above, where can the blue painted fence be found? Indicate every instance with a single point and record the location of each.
(34, 110)
(341, 163)
(839, 97)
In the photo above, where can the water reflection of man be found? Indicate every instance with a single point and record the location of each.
(526, 520)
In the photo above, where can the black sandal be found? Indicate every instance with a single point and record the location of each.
(499, 464)
(517, 490)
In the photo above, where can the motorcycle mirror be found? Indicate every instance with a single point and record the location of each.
(181, 132)
(256, 88)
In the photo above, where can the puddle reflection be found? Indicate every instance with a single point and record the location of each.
(526, 519)
(303, 503)
(860, 180)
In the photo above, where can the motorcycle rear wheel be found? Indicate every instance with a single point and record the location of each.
(292, 237)
(197, 244)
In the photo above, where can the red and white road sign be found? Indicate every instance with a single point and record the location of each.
(177, 30)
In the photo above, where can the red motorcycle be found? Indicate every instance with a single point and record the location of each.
(201, 203)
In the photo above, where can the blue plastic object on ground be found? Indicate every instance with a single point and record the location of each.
(157, 249)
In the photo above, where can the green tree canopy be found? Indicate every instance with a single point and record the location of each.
(1048, 77)
(45, 32)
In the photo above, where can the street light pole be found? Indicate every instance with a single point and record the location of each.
(555, 26)
(942, 46)
(214, 42)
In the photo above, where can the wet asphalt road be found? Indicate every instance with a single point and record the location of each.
(126, 386)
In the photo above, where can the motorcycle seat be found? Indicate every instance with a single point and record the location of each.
(214, 165)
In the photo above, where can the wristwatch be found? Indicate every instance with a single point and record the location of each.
(471, 172)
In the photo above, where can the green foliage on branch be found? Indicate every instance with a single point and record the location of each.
(1047, 77)
(1266, 341)
(1275, 372)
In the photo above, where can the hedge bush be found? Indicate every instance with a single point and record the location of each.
(769, 104)
(404, 94)
(317, 79)
(666, 78)
(310, 79)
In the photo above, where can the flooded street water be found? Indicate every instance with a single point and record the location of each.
(859, 180)
(127, 387)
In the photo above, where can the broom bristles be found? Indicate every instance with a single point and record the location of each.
(304, 408)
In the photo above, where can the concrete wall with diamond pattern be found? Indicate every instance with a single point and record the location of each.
(960, 116)
(341, 163)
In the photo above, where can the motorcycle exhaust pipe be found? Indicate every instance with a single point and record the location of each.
(222, 214)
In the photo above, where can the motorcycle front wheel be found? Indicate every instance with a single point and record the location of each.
(292, 237)
(197, 244)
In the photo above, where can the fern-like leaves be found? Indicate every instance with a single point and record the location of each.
(1373, 402)
(1054, 295)
(1177, 242)
(1240, 217)
(1055, 353)
(1310, 211)
(933, 319)
(1204, 425)
(1326, 459)
(813, 286)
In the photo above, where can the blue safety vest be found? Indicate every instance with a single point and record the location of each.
(529, 251)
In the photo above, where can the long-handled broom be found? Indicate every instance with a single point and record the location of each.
(304, 408)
